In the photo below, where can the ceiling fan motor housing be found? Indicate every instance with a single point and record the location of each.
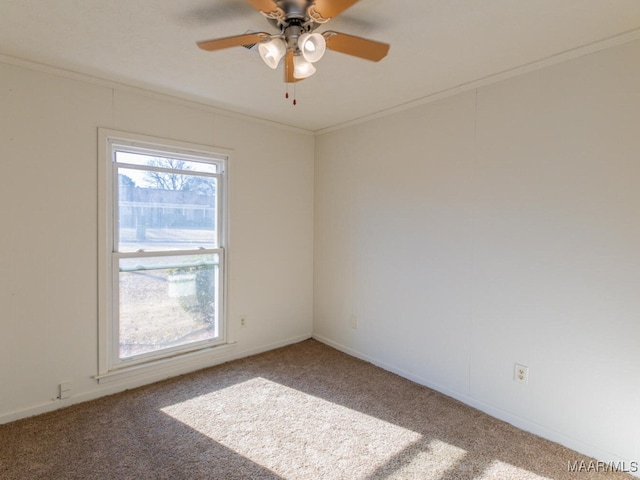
(295, 8)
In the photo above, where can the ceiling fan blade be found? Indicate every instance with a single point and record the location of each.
(265, 6)
(288, 69)
(356, 46)
(235, 41)
(331, 8)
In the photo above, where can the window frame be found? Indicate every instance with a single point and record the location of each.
(109, 362)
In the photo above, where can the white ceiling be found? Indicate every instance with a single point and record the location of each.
(436, 45)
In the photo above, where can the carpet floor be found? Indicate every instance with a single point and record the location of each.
(302, 412)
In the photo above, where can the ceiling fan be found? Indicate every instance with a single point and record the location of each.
(296, 41)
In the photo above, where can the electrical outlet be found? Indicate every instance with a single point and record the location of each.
(353, 321)
(243, 321)
(521, 373)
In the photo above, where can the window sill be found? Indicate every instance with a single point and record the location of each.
(167, 367)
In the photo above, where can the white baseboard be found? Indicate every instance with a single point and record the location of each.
(524, 424)
(135, 381)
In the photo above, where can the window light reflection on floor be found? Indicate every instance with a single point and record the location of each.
(293, 434)
(299, 436)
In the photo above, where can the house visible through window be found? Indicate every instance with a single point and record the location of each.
(167, 251)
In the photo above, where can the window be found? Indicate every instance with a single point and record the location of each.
(163, 238)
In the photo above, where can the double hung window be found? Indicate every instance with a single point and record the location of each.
(165, 251)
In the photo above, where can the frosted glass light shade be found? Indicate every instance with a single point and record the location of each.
(271, 52)
(312, 46)
(302, 68)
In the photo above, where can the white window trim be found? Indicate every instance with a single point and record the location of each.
(196, 356)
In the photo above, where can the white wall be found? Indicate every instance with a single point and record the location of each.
(497, 226)
(48, 219)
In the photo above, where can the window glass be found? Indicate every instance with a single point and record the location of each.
(160, 210)
(167, 302)
(153, 160)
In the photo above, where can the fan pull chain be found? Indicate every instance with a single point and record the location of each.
(286, 75)
(286, 94)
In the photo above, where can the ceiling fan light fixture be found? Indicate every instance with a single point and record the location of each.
(312, 46)
(302, 68)
(272, 51)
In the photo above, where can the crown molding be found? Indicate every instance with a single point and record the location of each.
(146, 90)
(558, 58)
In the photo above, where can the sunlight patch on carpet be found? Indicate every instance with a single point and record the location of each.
(293, 434)
(499, 469)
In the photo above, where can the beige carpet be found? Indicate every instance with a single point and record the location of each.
(305, 411)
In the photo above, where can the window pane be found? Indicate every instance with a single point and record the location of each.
(167, 302)
(166, 211)
(165, 162)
